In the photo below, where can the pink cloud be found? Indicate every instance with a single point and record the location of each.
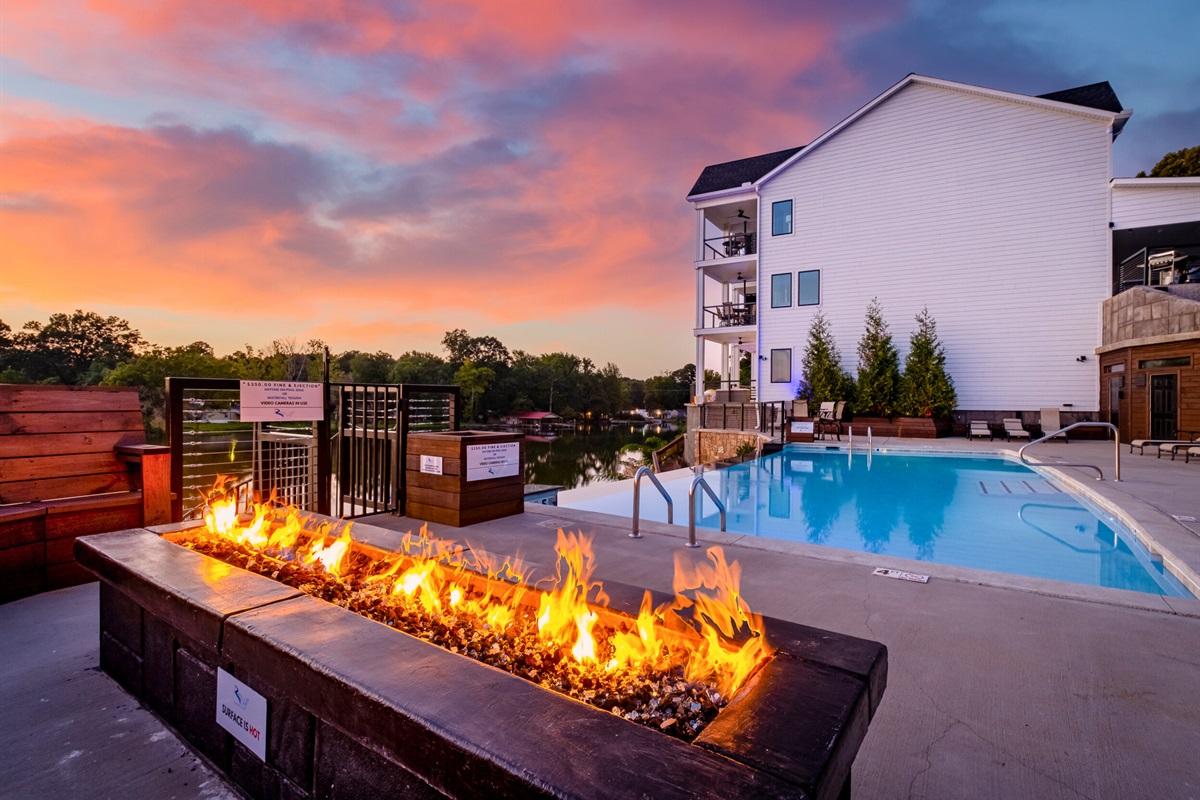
(456, 164)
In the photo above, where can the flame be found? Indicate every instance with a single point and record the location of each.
(331, 556)
(720, 615)
(708, 628)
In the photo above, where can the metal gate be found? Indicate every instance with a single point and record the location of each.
(208, 438)
(350, 464)
(370, 430)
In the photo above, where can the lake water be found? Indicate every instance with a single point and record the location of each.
(586, 455)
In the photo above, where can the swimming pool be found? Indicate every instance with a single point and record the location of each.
(983, 512)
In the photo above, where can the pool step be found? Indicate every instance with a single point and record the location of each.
(1021, 486)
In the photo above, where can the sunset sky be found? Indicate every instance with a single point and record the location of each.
(374, 174)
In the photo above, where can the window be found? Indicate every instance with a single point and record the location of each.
(781, 290)
(1158, 363)
(781, 366)
(808, 288)
(781, 217)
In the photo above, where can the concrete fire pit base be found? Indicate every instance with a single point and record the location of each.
(356, 709)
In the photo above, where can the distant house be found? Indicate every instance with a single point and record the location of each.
(532, 419)
(995, 210)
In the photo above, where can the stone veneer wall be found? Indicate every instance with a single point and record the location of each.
(716, 445)
(1143, 315)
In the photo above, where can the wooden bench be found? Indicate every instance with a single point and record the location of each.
(73, 461)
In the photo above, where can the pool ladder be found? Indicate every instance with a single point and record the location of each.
(1099, 474)
(698, 481)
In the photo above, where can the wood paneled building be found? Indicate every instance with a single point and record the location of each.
(1150, 364)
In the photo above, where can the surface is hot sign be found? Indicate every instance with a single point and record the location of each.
(243, 712)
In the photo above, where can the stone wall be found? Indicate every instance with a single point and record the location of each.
(1143, 315)
(716, 445)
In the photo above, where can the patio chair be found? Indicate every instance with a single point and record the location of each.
(1013, 429)
(980, 428)
(830, 418)
(799, 409)
(1051, 423)
(1191, 451)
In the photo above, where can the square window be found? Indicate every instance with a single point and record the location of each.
(781, 217)
(781, 290)
(808, 288)
(781, 366)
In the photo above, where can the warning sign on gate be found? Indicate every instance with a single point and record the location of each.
(282, 401)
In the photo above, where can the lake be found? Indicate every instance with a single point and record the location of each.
(585, 455)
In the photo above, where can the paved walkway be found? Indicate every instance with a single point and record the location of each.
(998, 687)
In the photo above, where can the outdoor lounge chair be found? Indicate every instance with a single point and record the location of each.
(1142, 444)
(1051, 423)
(1191, 451)
(1177, 446)
(980, 428)
(1013, 429)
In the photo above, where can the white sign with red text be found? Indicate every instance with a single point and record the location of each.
(282, 401)
(243, 712)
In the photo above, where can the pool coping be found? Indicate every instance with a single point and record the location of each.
(1163, 536)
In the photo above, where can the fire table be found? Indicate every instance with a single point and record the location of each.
(352, 708)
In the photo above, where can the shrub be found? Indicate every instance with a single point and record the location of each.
(926, 390)
(878, 382)
(824, 378)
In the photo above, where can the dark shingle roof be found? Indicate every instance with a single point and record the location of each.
(732, 174)
(1095, 95)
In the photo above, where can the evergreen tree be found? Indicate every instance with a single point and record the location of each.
(878, 366)
(926, 390)
(824, 378)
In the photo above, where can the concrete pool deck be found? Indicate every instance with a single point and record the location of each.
(998, 686)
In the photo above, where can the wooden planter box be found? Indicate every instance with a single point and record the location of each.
(462, 477)
(924, 427)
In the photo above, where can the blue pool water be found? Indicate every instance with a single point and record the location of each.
(981, 512)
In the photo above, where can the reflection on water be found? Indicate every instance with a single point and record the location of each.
(983, 513)
(586, 455)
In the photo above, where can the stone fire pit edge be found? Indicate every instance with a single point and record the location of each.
(357, 709)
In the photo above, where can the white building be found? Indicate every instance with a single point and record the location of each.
(992, 209)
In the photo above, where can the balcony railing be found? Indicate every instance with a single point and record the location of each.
(729, 315)
(730, 245)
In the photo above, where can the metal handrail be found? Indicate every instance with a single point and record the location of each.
(1072, 426)
(699, 481)
(637, 498)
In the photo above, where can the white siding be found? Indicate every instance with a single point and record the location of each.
(991, 213)
(1144, 204)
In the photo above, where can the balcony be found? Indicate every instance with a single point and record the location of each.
(730, 315)
(730, 245)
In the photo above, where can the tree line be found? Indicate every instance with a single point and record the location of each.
(85, 348)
